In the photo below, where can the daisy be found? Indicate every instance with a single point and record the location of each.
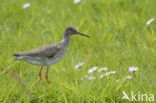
(84, 77)
(133, 69)
(117, 80)
(150, 21)
(26, 5)
(101, 76)
(48, 11)
(91, 77)
(79, 65)
(92, 70)
(102, 69)
(129, 77)
(76, 1)
(113, 72)
(107, 73)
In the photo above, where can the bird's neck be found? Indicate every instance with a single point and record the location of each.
(66, 39)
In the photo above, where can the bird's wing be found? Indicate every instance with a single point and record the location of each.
(45, 51)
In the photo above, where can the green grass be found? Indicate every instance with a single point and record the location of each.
(119, 39)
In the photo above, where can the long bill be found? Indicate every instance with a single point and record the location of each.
(82, 34)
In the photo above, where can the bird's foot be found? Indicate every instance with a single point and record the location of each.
(40, 77)
(40, 72)
(48, 81)
(47, 76)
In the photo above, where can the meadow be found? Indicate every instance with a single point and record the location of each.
(119, 39)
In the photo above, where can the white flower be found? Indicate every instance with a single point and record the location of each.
(103, 69)
(84, 77)
(88, 77)
(117, 42)
(76, 1)
(129, 77)
(117, 80)
(133, 69)
(26, 5)
(101, 76)
(79, 65)
(150, 21)
(48, 11)
(107, 73)
(92, 69)
(113, 72)
(91, 77)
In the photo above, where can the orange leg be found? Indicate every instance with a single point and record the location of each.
(47, 76)
(40, 72)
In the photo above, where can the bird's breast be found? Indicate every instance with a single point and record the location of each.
(59, 56)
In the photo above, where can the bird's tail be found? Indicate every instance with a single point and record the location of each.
(18, 58)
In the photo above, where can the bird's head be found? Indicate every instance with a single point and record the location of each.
(73, 31)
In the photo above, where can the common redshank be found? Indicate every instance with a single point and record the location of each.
(49, 54)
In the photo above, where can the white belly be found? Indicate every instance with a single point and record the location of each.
(34, 60)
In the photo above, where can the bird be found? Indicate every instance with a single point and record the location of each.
(49, 54)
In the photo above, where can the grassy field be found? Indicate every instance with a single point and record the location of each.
(119, 39)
